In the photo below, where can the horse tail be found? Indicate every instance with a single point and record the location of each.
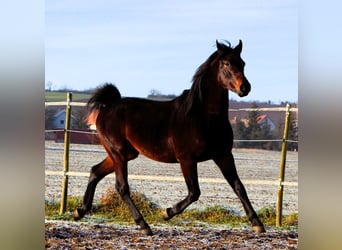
(104, 96)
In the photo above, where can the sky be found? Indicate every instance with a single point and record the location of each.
(142, 46)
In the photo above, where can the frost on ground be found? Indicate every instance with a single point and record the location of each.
(251, 165)
(66, 235)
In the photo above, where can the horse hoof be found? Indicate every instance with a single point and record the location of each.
(259, 229)
(146, 231)
(77, 215)
(166, 215)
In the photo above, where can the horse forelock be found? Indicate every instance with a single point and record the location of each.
(91, 118)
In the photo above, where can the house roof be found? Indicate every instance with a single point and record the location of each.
(260, 119)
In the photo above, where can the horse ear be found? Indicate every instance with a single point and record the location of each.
(220, 46)
(238, 48)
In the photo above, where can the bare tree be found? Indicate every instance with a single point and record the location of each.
(48, 86)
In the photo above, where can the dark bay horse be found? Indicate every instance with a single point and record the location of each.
(191, 128)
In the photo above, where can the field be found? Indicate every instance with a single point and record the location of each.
(61, 96)
(94, 234)
(252, 165)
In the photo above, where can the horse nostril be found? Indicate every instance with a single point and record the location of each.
(245, 88)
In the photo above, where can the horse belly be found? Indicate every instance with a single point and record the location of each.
(146, 126)
(157, 152)
(159, 155)
(153, 145)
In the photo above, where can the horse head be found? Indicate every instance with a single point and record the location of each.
(230, 70)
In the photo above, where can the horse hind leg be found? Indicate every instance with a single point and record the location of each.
(122, 187)
(189, 170)
(97, 173)
(228, 169)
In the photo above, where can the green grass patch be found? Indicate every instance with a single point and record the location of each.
(62, 96)
(52, 208)
(214, 215)
(111, 208)
(268, 216)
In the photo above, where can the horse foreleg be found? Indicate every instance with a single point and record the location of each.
(97, 173)
(122, 187)
(227, 166)
(189, 170)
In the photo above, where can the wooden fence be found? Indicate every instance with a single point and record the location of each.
(280, 183)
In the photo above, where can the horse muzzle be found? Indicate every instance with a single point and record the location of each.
(245, 88)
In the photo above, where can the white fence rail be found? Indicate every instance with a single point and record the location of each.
(280, 183)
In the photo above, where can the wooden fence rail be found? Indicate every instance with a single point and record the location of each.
(280, 183)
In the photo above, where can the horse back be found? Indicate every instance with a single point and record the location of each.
(139, 124)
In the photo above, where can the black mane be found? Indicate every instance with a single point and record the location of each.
(195, 95)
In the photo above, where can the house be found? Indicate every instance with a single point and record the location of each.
(262, 120)
(80, 136)
(275, 118)
(58, 121)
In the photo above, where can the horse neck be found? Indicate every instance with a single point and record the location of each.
(205, 95)
(215, 98)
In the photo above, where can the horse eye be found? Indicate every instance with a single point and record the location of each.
(226, 63)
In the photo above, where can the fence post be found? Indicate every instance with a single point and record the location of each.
(279, 211)
(66, 155)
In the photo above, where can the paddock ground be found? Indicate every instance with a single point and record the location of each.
(252, 165)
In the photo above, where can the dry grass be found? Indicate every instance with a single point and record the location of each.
(111, 208)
